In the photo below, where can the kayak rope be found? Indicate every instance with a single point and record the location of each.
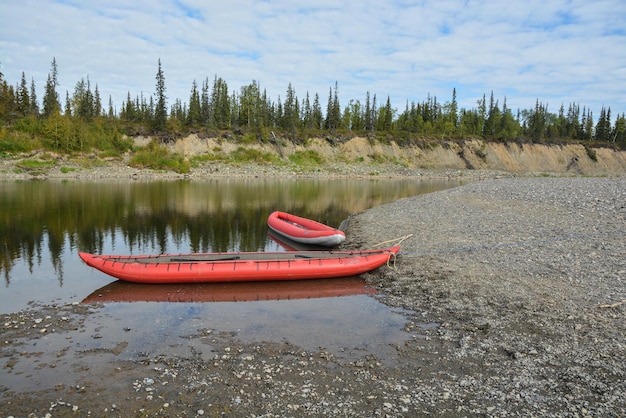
(399, 241)
(390, 257)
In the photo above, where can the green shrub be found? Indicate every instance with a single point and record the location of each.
(248, 138)
(156, 157)
(591, 153)
(35, 166)
(198, 160)
(122, 143)
(378, 158)
(16, 142)
(244, 155)
(306, 158)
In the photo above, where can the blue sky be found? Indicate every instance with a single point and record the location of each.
(557, 51)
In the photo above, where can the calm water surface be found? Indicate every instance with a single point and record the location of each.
(44, 224)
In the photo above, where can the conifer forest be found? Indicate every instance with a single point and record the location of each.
(81, 120)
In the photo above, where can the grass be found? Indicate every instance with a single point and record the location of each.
(156, 157)
(198, 160)
(246, 155)
(35, 167)
(17, 142)
(378, 158)
(306, 158)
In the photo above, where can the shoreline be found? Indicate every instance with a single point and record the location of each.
(119, 170)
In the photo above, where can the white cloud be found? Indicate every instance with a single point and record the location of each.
(556, 51)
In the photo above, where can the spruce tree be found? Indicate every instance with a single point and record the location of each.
(111, 112)
(34, 106)
(336, 107)
(97, 103)
(307, 113)
(68, 104)
(330, 123)
(374, 111)
(333, 111)
(290, 111)
(23, 99)
(193, 115)
(454, 109)
(205, 103)
(51, 103)
(160, 112)
(367, 116)
(317, 112)
(619, 133)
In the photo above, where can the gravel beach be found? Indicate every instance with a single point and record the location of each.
(526, 279)
(515, 293)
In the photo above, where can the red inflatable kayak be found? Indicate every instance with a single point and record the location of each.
(239, 266)
(305, 231)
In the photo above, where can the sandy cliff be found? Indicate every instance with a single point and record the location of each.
(469, 154)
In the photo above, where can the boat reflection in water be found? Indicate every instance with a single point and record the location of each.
(120, 291)
(290, 245)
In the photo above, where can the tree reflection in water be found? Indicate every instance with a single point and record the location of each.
(44, 223)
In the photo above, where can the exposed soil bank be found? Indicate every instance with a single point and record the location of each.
(357, 157)
(466, 155)
(517, 288)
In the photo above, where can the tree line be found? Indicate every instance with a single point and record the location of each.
(213, 106)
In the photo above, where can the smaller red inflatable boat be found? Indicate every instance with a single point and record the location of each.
(305, 231)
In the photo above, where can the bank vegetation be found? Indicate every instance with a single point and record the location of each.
(83, 124)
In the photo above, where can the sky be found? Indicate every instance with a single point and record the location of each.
(554, 51)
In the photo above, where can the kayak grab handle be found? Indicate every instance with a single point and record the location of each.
(192, 260)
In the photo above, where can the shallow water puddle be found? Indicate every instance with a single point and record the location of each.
(349, 327)
(337, 324)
